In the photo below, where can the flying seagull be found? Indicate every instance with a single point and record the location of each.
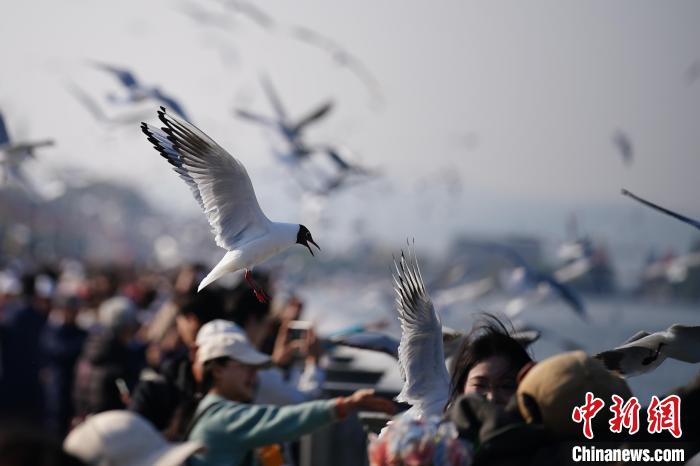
(292, 131)
(221, 186)
(624, 145)
(387, 344)
(343, 58)
(14, 155)
(644, 352)
(137, 91)
(421, 355)
(673, 214)
(94, 108)
(543, 284)
(371, 341)
(8, 146)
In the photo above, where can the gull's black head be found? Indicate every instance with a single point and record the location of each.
(304, 237)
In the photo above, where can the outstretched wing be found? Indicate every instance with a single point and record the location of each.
(685, 343)
(372, 341)
(565, 293)
(255, 118)
(315, 115)
(273, 98)
(126, 77)
(170, 103)
(641, 353)
(421, 356)
(4, 136)
(218, 181)
(664, 210)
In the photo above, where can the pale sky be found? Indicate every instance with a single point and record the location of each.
(542, 85)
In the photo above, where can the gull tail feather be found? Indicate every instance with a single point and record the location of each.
(221, 269)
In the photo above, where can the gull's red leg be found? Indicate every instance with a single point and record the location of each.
(259, 292)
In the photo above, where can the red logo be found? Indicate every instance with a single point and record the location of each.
(661, 415)
(624, 415)
(665, 415)
(587, 412)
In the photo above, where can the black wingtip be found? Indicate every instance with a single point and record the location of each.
(145, 130)
(163, 116)
(624, 192)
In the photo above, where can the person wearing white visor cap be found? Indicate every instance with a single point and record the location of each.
(231, 428)
(123, 438)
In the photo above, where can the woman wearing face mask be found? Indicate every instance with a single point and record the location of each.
(488, 363)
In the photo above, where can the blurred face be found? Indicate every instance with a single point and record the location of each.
(187, 328)
(494, 379)
(235, 381)
(69, 314)
(292, 310)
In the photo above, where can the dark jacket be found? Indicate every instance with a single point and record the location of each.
(62, 345)
(104, 360)
(20, 390)
(164, 398)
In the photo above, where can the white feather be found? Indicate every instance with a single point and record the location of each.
(421, 355)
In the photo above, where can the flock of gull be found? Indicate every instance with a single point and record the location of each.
(223, 189)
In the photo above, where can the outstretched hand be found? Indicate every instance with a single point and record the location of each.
(365, 399)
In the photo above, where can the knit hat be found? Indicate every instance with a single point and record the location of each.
(552, 388)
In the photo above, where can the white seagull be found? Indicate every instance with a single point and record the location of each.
(644, 352)
(14, 155)
(421, 355)
(221, 186)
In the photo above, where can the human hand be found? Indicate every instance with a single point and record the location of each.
(365, 399)
(313, 349)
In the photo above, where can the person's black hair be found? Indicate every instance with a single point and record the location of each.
(179, 426)
(488, 337)
(207, 305)
(243, 306)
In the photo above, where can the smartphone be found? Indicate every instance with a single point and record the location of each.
(121, 386)
(298, 329)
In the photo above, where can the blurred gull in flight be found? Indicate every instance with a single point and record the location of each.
(7, 146)
(469, 291)
(673, 214)
(14, 154)
(342, 57)
(692, 73)
(94, 108)
(291, 131)
(387, 344)
(542, 284)
(221, 186)
(624, 146)
(371, 341)
(421, 355)
(673, 270)
(644, 352)
(137, 91)
(252, 12)
(300, 151)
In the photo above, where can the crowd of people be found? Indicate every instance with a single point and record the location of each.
(123, 368)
